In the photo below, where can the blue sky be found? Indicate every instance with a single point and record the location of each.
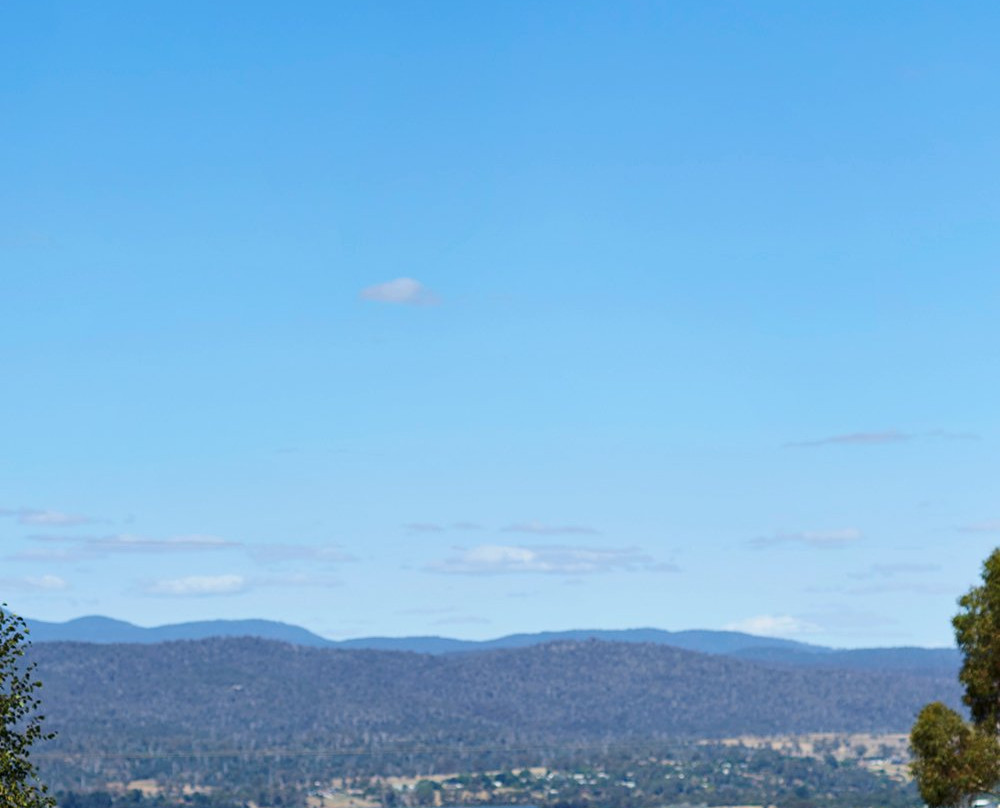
(470, 318)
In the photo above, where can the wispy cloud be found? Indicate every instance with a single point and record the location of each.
(462, 620)
(846, 621)
(62, 548)
(198, 586)
(908, 587)
(297, 580)
(126, 543)
(425, 527)
(79, 548)
(532, 528)
(899, 568)
(494, 559)
(884, 579)
(400, 291)
(881, 437)
(811, 538)
(542, 529)
(298, 552)
(428, 611)
(990, 526)
(774, 625)
(856, 439)
(232, 584)
(47, 583)
(55, 555)
(441, 527)
(37, 517)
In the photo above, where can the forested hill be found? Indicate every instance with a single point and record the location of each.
(226, 694)
(930, 661)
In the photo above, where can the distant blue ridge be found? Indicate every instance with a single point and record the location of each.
(767, 650)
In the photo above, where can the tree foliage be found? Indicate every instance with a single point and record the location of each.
(956, 760)
(20, 723)
(977, 630)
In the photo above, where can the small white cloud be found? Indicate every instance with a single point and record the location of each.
(811, 538)
(400, 291)
(773, 625)
(495, 559)
(198, 585)
(541, 529)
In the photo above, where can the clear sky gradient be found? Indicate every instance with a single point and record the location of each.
(470, 318)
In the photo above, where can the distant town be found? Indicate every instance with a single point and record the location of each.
(817, 769)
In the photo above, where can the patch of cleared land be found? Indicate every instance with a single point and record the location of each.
(888, 753)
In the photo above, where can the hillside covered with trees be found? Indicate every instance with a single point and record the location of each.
(214, 708)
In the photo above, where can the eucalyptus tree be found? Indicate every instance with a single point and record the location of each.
(956, 760)
(20, 722)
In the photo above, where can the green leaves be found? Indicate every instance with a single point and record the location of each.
(954, 760)
(20, 724)
(977, 630)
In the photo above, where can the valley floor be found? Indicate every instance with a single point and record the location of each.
(820, 770)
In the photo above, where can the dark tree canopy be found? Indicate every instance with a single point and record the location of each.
(20, 723)
(977, 630)
(955, 760)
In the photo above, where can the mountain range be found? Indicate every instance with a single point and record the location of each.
(769, 650)
(207, 708)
